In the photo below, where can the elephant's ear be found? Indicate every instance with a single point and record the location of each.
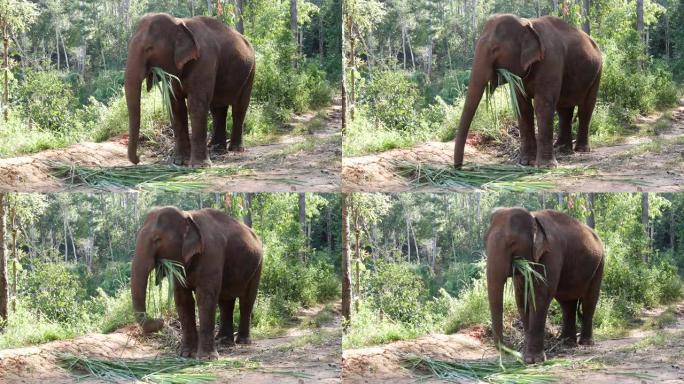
(541, 240)
(192, 241)
(186, 47)
(531, 47)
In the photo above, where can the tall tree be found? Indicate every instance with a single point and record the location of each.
(644, 220)
(4, 291)
(346, 266)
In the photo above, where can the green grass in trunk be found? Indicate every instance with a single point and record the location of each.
(169, 178)
(527, 270)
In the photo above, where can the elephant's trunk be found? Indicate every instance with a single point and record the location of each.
(497, 273)
(480, 75)
(132, 84)
(143, 262)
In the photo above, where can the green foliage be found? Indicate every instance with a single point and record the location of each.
(396, 290)
(48, 99)
(393, 99)
(55, 290)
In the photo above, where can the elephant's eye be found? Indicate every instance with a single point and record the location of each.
(148, 49)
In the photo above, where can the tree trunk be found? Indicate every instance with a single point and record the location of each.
(240, 25)
(302, 218)
(555, 7)
(293, 20)
(644, 220)
(248, 210)
(329, 229)
(591, 219)
(640, 18)
(344, 82)
(586, 6)
(346, 281)
(4, 294)
(321, 31)
(15, 260)
(5, 63)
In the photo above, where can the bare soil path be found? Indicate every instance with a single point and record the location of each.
(307, 159)
(654, 353)
(653, 162)
(308, 351)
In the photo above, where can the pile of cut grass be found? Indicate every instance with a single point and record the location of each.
(169, 178)
(482, 371)
(491, 177)
(168, 370)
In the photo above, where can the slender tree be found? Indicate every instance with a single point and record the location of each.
(346, 266)
(4, 291)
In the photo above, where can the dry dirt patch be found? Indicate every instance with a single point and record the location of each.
(309, 161)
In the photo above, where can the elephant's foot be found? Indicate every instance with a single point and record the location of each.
(200, 163)
(236, 148)
(208, 355)
(548, 163)
(582, 148)
(188, 352)
(243, 340)
(225, 340)
(181, 160)
(586, 340)
(526, 160)
(217, 148)
(533, 358)
(569, 341)
(564, 148)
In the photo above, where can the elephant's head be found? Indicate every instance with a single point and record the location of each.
(507, 42)
(513, 233)
(160, 40)
(167, 233)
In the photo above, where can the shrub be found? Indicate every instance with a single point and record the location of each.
(48, 100)
(55, 290)
(397, 290)
(392, 99)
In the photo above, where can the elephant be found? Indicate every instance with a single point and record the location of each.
(222, 258)
(215, 66)
(560, 67)
(572, 256)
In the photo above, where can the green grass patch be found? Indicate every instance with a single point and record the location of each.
(483, 370)
(492, 177)
(168, 178)
(169, 370)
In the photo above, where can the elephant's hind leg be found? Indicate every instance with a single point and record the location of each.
(569, 333)
(239, 114)
(246, 306)
(589, 301)
(218, 138)
(185, 305)
(564, 141)
(584, 113)
(225, 334)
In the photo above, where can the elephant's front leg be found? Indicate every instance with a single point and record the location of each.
(199, 108)
(534, 336)
(523, 309)
(207, 299)
(185, 305)
(180, 131)
(544, 107)
(528, 145)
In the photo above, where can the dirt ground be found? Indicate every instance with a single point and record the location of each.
(652, 162)
(654, 353)
(307, 352)
(308, 162)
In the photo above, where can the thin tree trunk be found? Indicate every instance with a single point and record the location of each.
(15, 260)
(672, 224)
(644, 219)
(239, 7)
(586, 6)
(346, 281)
(293, 21)
(57, 47)
(591, 219)
(248, 210)
(640, 18)
(329, 229)
(321, 31)
(403, 44)
(5, 62)
(344, 81)
(4, 294)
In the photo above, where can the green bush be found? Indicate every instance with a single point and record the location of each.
(397, 290)
(48, 100)
(393, 99)
(55, 291)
